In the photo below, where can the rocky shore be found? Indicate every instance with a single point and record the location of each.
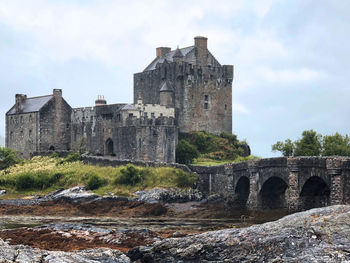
(317, 235)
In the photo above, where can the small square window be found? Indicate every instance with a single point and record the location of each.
(206, 97)
(131, 115)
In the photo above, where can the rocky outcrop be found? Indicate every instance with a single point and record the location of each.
(25, 254)
(169, 195)
(317, 235)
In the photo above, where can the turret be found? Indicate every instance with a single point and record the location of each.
(166, 94)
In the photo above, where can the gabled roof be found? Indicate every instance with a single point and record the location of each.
(31, 104)
(169, 57)
(166, 86)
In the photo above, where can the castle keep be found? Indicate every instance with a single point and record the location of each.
(180, 91)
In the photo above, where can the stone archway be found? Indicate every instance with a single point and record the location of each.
(315, 193)
(242, 192)
(52, 148)
(109, 147)
(272, 194)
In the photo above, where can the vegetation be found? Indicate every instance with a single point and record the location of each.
(204, 148)
(42, 175)
(8, 157)
(314, 144)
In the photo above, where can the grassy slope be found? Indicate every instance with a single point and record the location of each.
(77, 174)
(211, 162)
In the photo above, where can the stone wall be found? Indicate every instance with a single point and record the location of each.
(202, 94)
(55, 128)
(22, 133)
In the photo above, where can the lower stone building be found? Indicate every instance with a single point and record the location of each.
(127, 131)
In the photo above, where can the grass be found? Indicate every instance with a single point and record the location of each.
(42, 175)
(211, 162)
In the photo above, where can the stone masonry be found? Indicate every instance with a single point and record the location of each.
(180, 91)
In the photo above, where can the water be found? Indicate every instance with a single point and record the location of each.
(154, 224)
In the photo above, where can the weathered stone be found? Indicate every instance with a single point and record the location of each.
(317, 235)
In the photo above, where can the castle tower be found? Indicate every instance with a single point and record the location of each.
(201, 87)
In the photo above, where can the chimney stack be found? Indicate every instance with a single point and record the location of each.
(20, 98)
(100, 100)
(201, 50)
(161, 51)
(57, 93)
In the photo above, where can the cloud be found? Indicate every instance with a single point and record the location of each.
(291, 58)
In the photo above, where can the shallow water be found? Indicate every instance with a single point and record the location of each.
(155, 224)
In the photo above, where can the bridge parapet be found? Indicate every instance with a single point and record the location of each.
(293, 183)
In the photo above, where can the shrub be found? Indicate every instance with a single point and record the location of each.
(38, 180)
(130, 175)
(186, 152)
(72, 157)
(94, 182)
(8, 157)
(184, 179)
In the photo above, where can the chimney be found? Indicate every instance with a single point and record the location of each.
(100, 100)
(201, 50)
(20, 98)
(161, 51)
(57, 93)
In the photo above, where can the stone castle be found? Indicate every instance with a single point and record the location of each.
(180, 91)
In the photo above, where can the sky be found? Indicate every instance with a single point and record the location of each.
(291, 58)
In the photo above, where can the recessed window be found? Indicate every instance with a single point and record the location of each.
(225, 106)
(30, 133)
(205, 106)
(131, 115)
(206, 97)
(152, 115)
(145, 114)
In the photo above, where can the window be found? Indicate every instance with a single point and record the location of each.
(145, 114)
(131, 115)
(119, 117)
(152, 115)
(225, 106)
(30, 133)
(206, 106)
(206, 97)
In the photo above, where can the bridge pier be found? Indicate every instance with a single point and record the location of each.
(337, 189)
(252, 202)
(292, 192)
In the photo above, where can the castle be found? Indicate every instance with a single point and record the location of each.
(180, 91)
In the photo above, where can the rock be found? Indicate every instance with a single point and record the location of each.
(317, 235)
(169, 195)
(2, 192)
(78, 193)
(25, 254)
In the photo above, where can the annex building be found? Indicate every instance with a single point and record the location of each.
(181, 90)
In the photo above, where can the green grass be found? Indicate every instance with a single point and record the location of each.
(210, 162)
(42, 175)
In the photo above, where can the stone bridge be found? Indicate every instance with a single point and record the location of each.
(292, 183)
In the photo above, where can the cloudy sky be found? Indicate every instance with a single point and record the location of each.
(291, 58)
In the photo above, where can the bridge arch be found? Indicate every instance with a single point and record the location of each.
(241, 193)
(315, 192)
(272, 193)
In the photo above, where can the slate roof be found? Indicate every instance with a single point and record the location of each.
(169, 57)
(129, 107)
(32, 104)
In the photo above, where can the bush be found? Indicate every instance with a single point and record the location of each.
(39, 180)
(8, 157)
(186, 152)
(130, 175)
(184, 179)
(72, 157)
(94, 182)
